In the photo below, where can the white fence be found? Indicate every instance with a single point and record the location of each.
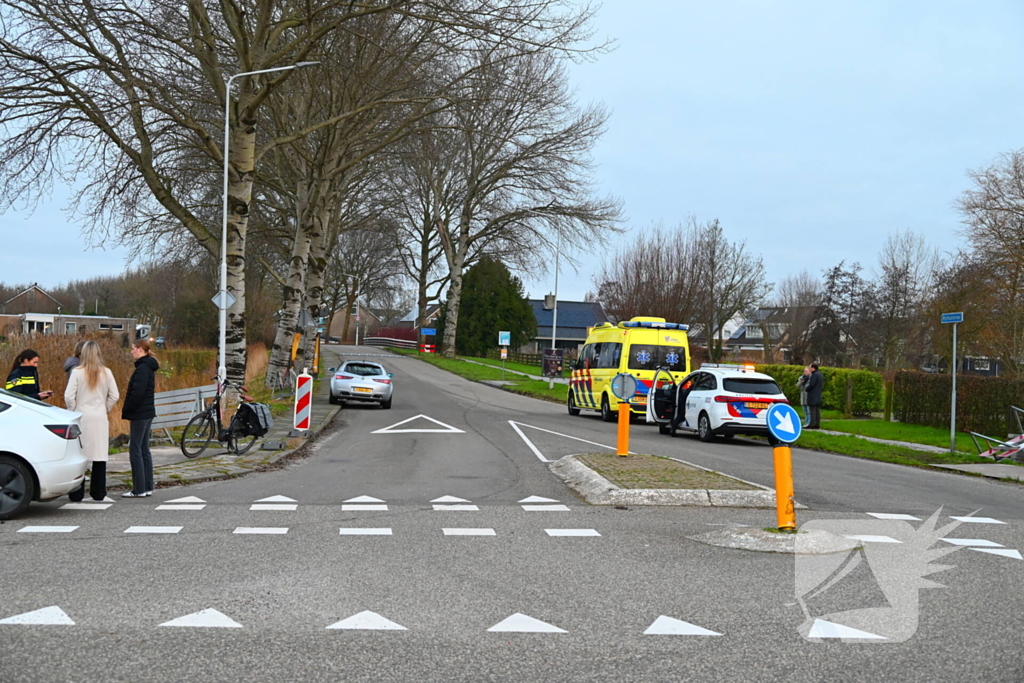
(176, 408)
(389, 342)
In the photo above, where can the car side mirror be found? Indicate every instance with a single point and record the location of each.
(391, 374)
(332, 370)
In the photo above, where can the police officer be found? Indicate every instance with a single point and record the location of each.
(24, 377)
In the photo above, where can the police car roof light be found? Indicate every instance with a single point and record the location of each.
(728, 366)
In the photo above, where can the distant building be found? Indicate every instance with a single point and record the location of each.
(575, 319)
(429, 320)
(33, 311)
(33, 299)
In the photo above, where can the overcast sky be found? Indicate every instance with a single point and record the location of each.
(809, 129)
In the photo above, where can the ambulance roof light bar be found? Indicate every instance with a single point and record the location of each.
(655, 325)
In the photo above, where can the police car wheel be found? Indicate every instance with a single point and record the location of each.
(606, 410)
(704, 429)
(571, 405)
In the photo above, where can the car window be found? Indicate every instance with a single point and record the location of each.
(23, 397)
(586, 359)
(609, 355)
(4, 406)
(750, 385)
(707, 382)
(364, 369)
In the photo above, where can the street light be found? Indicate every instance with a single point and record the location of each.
(222, 296)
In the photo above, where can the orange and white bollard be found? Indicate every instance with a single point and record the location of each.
(785, 511)
(303, 400)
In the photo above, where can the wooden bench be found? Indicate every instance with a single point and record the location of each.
(176, 408)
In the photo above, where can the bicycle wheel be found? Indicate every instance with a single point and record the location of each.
(237, 443)
(197, 435)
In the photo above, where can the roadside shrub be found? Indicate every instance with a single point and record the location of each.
(982, 403)
(867, 387)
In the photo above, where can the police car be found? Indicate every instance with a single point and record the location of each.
(716, 400)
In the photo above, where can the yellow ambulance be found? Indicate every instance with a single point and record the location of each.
(639, 347)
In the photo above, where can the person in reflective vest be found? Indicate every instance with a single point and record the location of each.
(24, 376)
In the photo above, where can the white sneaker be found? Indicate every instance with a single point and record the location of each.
(148, 493)
(132, 494)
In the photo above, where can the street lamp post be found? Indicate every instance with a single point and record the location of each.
(222, 296)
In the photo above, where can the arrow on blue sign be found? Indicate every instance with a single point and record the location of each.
(784, 422)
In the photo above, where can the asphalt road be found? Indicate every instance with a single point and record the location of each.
(278, 592)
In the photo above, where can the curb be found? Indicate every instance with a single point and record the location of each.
(597, 490)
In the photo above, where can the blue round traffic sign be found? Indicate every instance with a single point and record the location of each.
(624, 386)
(784, 422)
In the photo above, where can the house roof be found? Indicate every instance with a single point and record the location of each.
(574, 317)
(410, 317)
(29, 289)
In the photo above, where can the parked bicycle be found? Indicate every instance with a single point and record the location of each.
(249, 423)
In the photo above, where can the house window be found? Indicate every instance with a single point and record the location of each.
(755, 333)
(104, 326)
(118, 326)
(70, 328)
(982, 365)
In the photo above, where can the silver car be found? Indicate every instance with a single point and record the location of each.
(360, 380)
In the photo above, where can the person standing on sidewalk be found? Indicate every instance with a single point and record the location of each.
(815, 385)
(24, 377)
(75, 360)
(92, 391)
(801, 384)
(140, 410)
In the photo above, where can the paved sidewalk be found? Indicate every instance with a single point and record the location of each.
(219, 464)
(887, 442)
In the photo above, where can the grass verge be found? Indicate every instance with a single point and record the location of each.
(851, 445)
(898, 431)
(654, 472)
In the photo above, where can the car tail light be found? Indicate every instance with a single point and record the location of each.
(743, 399)
(342, 377)
(68, 432)
(383, 381)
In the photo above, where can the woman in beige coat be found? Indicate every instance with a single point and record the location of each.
(92, 391)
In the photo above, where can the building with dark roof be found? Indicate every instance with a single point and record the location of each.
(575, 318)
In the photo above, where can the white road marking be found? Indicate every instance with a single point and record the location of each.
(180, 506)
(362, 508)
(868, 538)
(468, 508)
(538, 499)
(46, 529)
(973, 541)
(47, 616)
(449, 499)
(469, 532)
(153, 529)
(572, 532)
(546, 508)
(85, 506)
(277, 499)
(892, 515)
(521, 623)
(363, 499)
(445, 428)
(528, 442)
(1004, 552)
(186, 499)
(516, 426)
(261, 530)
(286, 507)
(667, 626)
(207, 618)
(364, 531)
(826, 629)
(977, 520)
(367, 621)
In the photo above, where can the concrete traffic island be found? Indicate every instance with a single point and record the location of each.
(811, 542)
(709, 488)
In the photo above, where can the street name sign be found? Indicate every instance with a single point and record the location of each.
(428, 331)
(504, 338)
(952, 318)
(784, 422)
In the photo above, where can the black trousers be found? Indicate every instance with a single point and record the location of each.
(97, 483)
(139, 455)
(815, 421)
(680, 411)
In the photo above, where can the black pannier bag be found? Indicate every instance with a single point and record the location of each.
(255, 419)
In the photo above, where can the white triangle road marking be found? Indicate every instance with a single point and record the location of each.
(893, 515)
(521, 623)
(207, 618)
(538, 499)
(1004, 552)
(973, 541)
(546, 508)
(46, 529)
(85, 506)
(277, 499)
(362, 507)
(826, 629)
(978, 520)
(444, 428)
(667, 626)
(367, 621)
(186, 499)
(286, 507)
(363, 499)
(181, 506)
(449, 499)
(458, 506)
(47, 616)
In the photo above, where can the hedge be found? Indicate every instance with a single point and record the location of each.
(868, 391)
(982, 403)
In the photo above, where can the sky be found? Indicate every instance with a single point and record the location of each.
(810, 130)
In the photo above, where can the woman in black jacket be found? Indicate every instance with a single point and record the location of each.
(139, 410)
(24, 377)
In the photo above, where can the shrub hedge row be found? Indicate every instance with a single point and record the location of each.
(868, 390)
(982, 403)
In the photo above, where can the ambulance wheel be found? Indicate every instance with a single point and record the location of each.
(606, 410)
(704, 428)
(570, 403)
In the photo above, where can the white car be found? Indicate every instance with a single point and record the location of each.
(41, 456)
(363, 381)
(720, 400)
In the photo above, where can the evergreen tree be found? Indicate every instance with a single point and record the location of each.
(492, 300)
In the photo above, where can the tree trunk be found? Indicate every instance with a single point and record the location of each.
(421, 280)
(315, 282)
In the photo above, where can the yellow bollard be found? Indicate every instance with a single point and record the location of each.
(623, 445)
(784, 508)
